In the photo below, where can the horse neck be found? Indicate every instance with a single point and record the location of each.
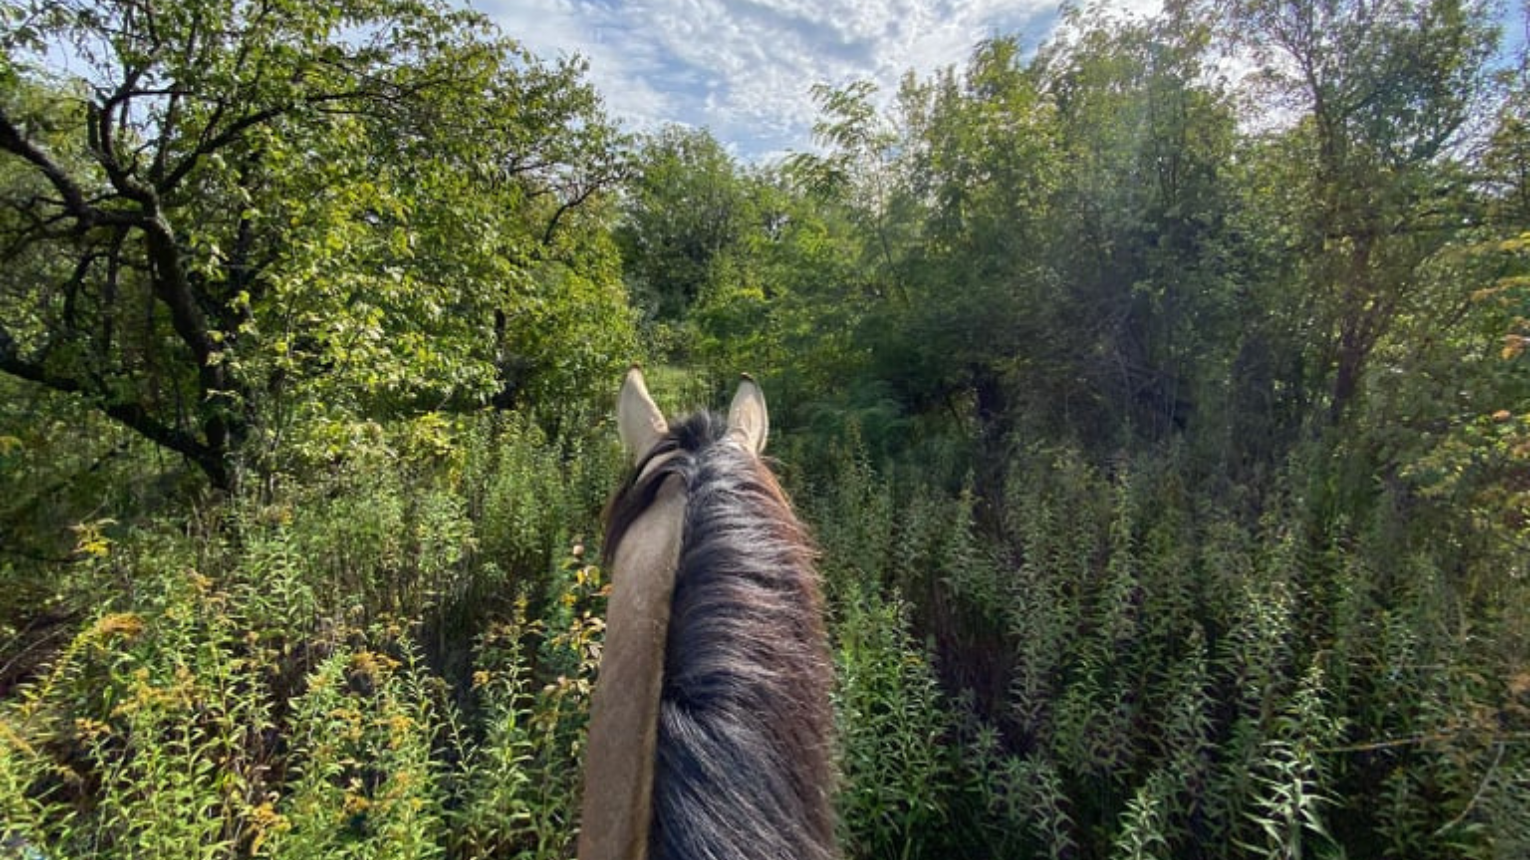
(744, 734)
(710, 730)
(619, 754)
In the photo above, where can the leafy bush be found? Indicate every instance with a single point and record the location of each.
(1180, 682)
(285, 685)
(893, 730)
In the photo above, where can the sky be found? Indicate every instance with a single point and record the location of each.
(743, 69)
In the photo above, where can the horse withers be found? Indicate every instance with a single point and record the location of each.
(711, 729)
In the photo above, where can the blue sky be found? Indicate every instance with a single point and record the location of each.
(743, 68)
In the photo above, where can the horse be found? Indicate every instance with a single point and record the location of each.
(710, 731)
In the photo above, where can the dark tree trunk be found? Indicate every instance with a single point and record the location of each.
(993, 437)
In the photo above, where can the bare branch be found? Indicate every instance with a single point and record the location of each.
(101, 118)
(13, 141)
(132, 415)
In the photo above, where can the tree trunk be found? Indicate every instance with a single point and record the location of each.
(993, 437)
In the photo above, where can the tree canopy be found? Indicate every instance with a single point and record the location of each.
(241, 211)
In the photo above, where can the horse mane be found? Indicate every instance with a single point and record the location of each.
(744, 762)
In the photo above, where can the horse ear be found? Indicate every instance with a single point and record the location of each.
(638, 420)
(747, 417)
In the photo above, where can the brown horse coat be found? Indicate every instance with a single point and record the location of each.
(710, 730)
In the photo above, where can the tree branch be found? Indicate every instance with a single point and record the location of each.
(236, 129)
(208, 146)
(13, 141)
(100, 119)
(131, 415)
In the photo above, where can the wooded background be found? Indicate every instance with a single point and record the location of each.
(1158, 398)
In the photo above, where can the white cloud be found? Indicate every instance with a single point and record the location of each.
(744, 68)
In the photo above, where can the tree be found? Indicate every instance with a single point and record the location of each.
(984, 167)
(244, 210)
(1067, 266)
(1383, 92)
(688, 208)
(1140, 234)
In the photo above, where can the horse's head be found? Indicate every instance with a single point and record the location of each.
(709, 729)
(643, 428)
(645, 522)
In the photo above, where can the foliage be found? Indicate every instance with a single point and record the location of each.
(1179, 684)
(318, 687)
(891, 724)
(1164, 432)
(241, 215)
(1385, 91)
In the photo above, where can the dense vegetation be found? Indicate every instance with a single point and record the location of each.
(1159, 400)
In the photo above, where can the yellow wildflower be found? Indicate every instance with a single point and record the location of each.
(398, 726)
(125, 624)
(355, 804)
(266, 820)
(365, 662)
(91, 729)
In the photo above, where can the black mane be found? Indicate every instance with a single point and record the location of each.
(744, 760)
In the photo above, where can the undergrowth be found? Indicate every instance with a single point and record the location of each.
(1177, 681)
(396, 661)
